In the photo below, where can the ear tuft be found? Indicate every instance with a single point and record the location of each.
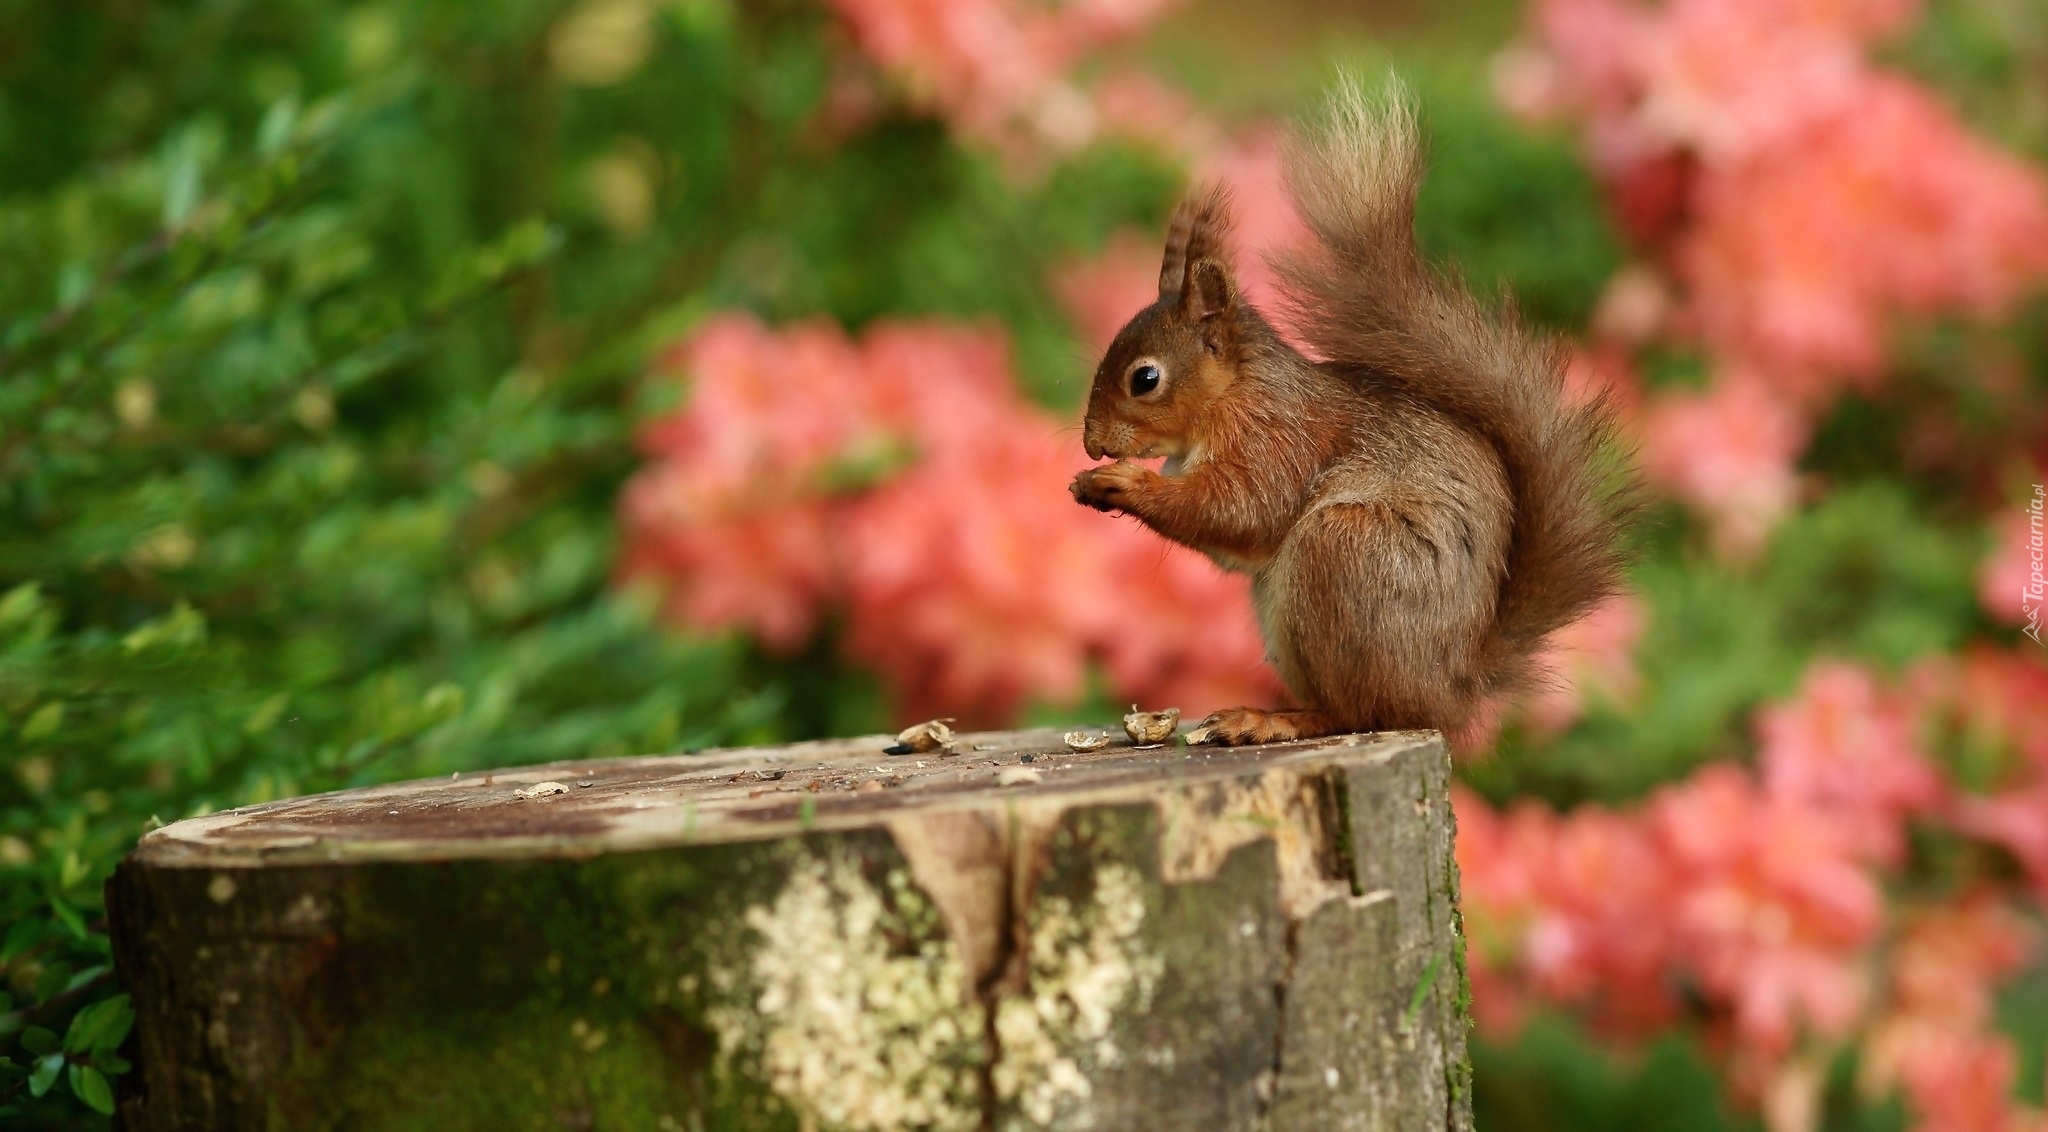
(1209, 291)
(1200, 229)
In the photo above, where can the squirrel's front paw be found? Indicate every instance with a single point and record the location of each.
(1111, 486)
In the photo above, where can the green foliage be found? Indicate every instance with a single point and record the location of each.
(319, 360)
(319, 357)
(1864, 575)
(1512, 209)
(1553, 1075)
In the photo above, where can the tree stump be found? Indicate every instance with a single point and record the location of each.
(819, 936)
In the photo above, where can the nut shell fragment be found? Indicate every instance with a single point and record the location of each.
(1150, 727)
(1017, 776)
(1084, 741)
(541, 790)
(932, 735)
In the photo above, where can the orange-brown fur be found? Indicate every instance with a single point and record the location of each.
(1418, 506)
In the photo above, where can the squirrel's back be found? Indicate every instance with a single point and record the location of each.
(1364, 302)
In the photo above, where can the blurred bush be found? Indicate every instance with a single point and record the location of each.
(393, 390)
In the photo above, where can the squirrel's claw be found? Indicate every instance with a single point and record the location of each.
(1248, 727)
(1109, 487)
(1090, 491)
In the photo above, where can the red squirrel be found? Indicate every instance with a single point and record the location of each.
(1418, 504)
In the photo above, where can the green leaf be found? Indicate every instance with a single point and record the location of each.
(20, 602)
(40, 1041)
(1422, 986)
(69, 917)
(89, 975)
(99, 1026)
(181, 180)
(91, 1086)
(22, 936)
(119, 1019)
(45, 1074)
(183, 628)
(44, 721)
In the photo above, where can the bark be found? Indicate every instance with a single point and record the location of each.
(820, 936)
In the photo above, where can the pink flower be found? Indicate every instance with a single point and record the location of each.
(1501, 858)
(1265, 220)
(1728, 451)
(1572, 909)
(1762, 902)
(766, 573)
(1844, 745)
(1802, 253)
(2016, 820)
(901, 481)
(768, 409)
(1705, 75)
(728, 515)
(1594, 654)
(1604, 935)
(2001, 699)
(1935, 1038)
(1168, 599)
(1963, 1083)
(1950, 959)
(1635, 306)
(1802, 199)
(1102, 294)
(2013, 583)
(950, 579)
(1775, 907)
(1138, 106)
(1604, 370)
(998, 70)
(1990, 710)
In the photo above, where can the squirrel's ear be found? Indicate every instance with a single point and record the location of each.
(1201, 227)
(1208, 291)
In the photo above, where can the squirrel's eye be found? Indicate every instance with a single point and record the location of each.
(1144, 379)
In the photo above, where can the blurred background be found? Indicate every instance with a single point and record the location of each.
(395, 389)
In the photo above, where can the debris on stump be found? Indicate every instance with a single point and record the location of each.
(1151, 728)
(932, 735)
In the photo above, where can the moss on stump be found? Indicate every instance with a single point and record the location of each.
(820, 936)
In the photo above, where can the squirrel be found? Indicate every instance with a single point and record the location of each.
(1419, 505)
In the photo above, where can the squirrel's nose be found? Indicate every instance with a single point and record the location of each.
(1090, 441)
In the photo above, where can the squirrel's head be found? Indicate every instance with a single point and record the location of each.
(1176, 356)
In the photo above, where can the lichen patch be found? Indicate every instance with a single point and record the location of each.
(1087, 968)
(854, 1031)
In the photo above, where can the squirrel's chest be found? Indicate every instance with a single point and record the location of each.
(1237, 563)
(1271, 594)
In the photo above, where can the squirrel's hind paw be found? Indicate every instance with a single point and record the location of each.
(1245, 727)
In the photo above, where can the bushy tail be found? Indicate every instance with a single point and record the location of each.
(1365, 298)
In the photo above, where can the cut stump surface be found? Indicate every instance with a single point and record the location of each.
(817, 936)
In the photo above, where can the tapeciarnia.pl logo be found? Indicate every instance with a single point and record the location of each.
(2032, 598)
